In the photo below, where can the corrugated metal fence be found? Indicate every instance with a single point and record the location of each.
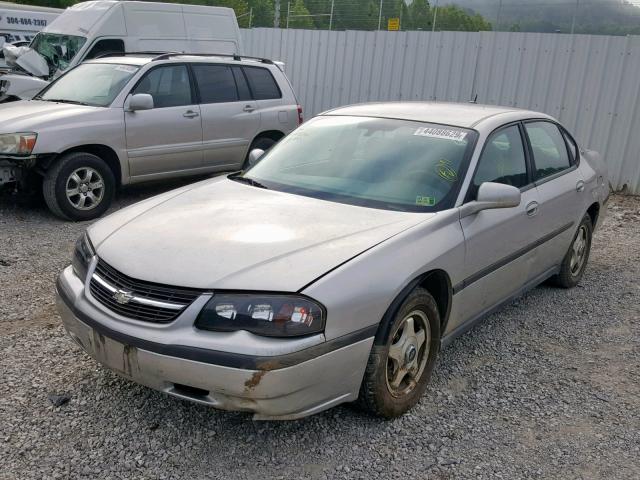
(590, 83)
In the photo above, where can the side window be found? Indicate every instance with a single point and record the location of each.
(262, 83)
(216, 83)
(168, 85)
(502, 160)
(573, 148)
(105, 47)
(241, 82)
(549, 150)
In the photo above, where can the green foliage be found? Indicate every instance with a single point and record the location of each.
(453, 18)
(298, 15)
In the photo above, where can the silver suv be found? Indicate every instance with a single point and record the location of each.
(121, 120)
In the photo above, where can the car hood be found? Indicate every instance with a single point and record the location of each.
(221, 234)
(31, 115)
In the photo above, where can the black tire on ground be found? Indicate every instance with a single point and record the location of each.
(263, 143)
(377, 396)
(59, 177)
(571, 273)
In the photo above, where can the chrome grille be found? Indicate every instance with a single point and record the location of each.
(138, 299)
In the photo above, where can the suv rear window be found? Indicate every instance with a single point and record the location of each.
(262, 83)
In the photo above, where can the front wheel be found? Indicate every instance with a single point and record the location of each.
(398, 372)
(79, 186)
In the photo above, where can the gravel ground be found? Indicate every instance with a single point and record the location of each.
(547, 388)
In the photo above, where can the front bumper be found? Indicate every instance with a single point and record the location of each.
(306, 385)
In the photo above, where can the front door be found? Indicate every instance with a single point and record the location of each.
(230, 117)
(497, 254)
(168, 138)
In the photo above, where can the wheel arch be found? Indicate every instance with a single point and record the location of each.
(594, 211)
(438, 283)
(274, 135)
(107, 154)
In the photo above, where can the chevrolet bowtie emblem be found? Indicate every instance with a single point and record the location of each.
(122, 297)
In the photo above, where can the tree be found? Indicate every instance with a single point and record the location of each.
(299, 16)
(263, 12)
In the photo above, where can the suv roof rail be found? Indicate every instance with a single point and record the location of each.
(132, 54)
(235, 56)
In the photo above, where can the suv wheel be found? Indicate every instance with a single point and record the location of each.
(398, 372)
(79, 186)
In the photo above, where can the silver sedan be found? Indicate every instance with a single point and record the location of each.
(337, 266)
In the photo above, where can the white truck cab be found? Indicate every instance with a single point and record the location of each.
(98, 28)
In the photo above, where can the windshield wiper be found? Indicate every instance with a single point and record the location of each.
(62, 100)
(248, 181)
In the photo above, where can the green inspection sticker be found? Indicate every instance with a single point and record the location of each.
(425, 201)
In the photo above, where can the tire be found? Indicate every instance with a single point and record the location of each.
(263, 143)
(571, 273)
(378, 392)
(90, 171)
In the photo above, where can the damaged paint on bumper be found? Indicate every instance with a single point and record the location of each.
(269, 391)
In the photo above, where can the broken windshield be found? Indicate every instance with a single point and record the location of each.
(57, 49)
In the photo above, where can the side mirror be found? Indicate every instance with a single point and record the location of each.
(254, 156)
(140, 101)
(492, 195)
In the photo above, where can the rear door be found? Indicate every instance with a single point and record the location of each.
(168, 138)
(498, 252)
(230, 117)
(560, 187)
(278, 111)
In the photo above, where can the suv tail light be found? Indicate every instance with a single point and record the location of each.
(300, 119)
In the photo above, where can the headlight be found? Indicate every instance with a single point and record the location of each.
(82, 256)
(269, 315)
(18, 143)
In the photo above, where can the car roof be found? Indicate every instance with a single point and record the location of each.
(467, 115)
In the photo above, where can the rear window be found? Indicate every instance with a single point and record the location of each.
(262, 83)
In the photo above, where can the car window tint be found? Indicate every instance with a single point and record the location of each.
(502, 160)
(549, 150)
(169, 86)
(262, 83)
(241, 82)
(216, 83)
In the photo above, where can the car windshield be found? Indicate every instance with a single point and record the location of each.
(373, 162)
(94, 84)
(58, 50)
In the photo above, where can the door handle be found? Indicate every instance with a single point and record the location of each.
(580, 186)
(532, 208)
(248, 108)
(190, 114)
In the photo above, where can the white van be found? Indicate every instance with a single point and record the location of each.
(20, 23)
(93, 29)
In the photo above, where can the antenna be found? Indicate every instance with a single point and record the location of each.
(475, 98)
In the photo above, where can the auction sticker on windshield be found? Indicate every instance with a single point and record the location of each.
(448, 133)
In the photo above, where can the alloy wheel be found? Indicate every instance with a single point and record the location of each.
(578, 251)
(408, 353)
(85, 188)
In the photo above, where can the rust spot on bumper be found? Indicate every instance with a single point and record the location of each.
(130, 360)
(255, 379)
